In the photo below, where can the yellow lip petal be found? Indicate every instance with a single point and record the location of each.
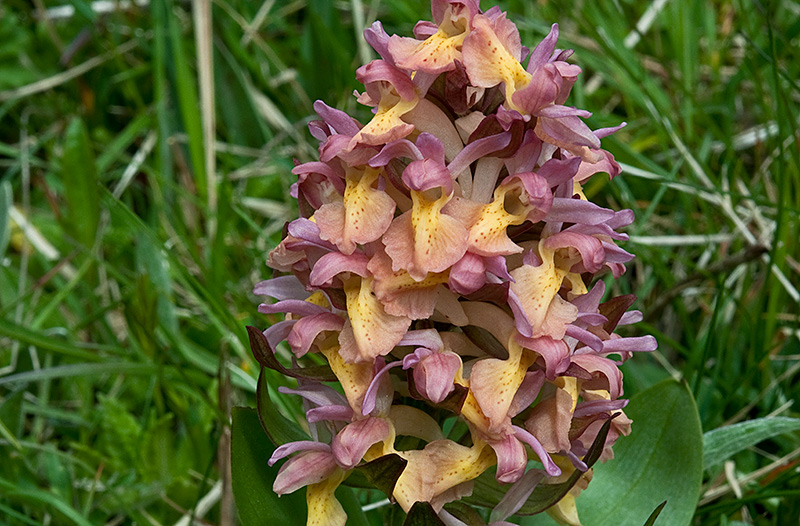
(487, 235)
(565, 511)
(323, 507)
(387, 121)
(354, 377)
(494, 382)
(374, 332)
(441, 465)
(537, 289)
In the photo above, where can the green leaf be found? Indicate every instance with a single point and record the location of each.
(5, 210)
(351, 506)
(39, 497)
(83, 369)
(651, 520)
(383, 472)
(279, 428)
(80, 184)
(422, 514)
(660, 460)
(253, 479)
(722, 443)
(43, 341)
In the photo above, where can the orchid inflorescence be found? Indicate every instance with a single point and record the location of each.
(441, 269)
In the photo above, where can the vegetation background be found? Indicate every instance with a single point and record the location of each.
(145, 157)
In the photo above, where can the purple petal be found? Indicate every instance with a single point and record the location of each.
(431, 147)
(301, 445)
(333, 263)
(468, 274)
(477, 149)
(554, 352)
(340, 121)
(569, 210)
(549, 466)
(605, 132)
(434, 375)
(544, 50)
(426, 175)
(586, 337)
(517, 495)
(308, 231)
(371, 395)
(570, 130)
(278, 332)
(590, 248)
(377, 37)
(558, 171)
(425, 29)
(428, 338)
(281, 288)
(383, 71)
(558, 112)
(412, 359)
(521, 320)
(306, 330)
(631, 317)
(600, 367)
(511, 459)
(527, 392)
(330, 413)
(497, 265)
(590, 302)
(635, 344)
(615, 254)
(594, 407)
(299, 307)
(318, 394)
(352, 442)
(527, 154)
(308, 468)
(579, 464)
(621, 218)
(394, 150)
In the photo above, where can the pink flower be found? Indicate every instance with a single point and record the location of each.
(448, 258)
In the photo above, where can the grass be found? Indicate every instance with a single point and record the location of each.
(131, 237)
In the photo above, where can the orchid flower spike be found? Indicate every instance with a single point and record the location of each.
(447, 266)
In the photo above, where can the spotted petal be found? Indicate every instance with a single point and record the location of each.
(440, 466)
(362, 217)
(369, 331)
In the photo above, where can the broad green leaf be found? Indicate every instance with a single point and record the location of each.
(80, 184)
(722, 443)
(352, 507)
(279, 428)
(253, 479)
(660, 460)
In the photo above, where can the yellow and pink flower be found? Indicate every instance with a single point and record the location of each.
(446, 254)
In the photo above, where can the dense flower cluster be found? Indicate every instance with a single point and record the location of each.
(443, 260)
